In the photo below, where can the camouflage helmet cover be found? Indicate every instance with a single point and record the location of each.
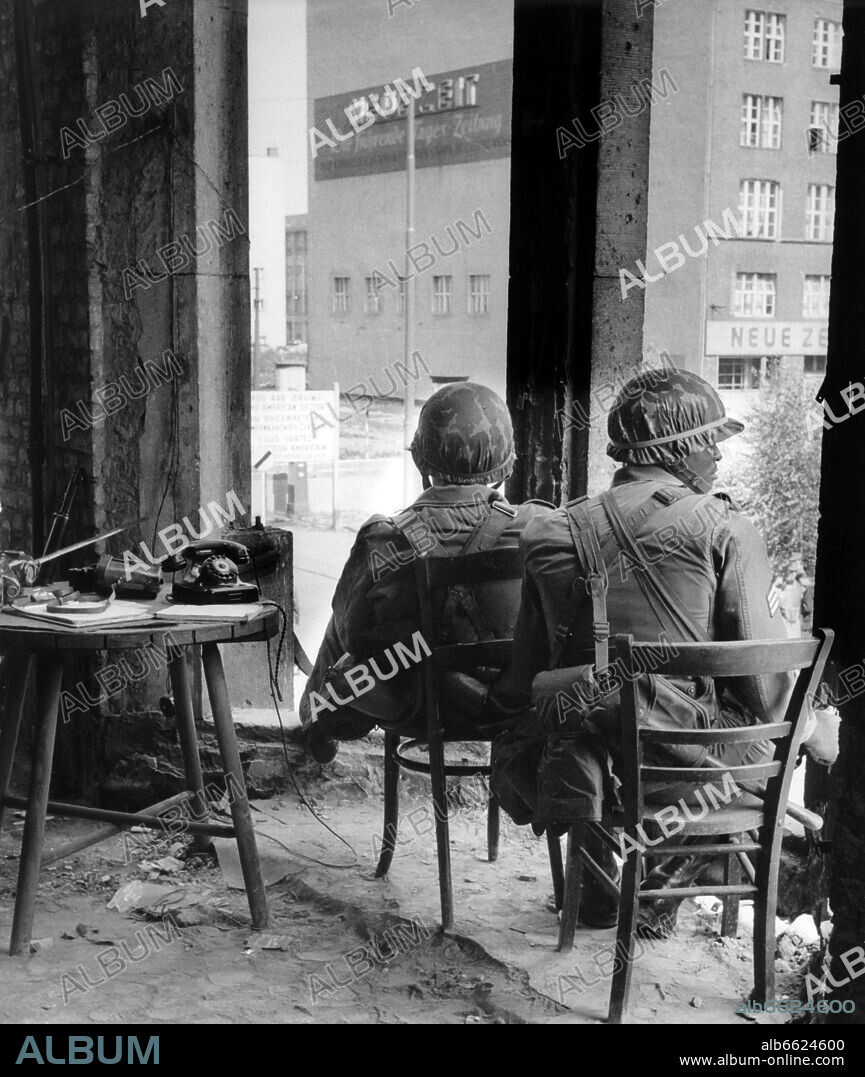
(464, 436)
(662, 416)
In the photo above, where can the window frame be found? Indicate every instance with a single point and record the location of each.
(830, 42)
(806, 359)
(446, 295)
(828, 126)
(823, 218)
(763, 116)
(372, 297)
(750, 371)
(765, 36)
(766, 215)
(337, 308)
(484, 295)
(821, 293)
(741, 295)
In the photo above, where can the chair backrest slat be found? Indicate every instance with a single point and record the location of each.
(727, 660)
(747, 772)
(741, 735)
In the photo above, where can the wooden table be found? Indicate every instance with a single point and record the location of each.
(26, 643)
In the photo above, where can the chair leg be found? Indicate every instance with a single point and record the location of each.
(621, 986)
(573, 887)
(49, 677)
(440, 809)
(732, 877)
(391, 804)
(17, 670)
(765, 903)
(217, 691)
(554, 849)
(494, 822)
(182, 690)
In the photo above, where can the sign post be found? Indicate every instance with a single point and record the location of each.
(335, 512)
(410, 294)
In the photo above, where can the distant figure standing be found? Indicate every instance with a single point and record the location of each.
(806, 606)
(791, 603)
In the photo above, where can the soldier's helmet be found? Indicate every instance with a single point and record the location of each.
(661, 416)
(464, 436)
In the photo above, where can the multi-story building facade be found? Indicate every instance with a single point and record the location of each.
(457, 58)
(296, 295)
(747, 140)
(753, 132)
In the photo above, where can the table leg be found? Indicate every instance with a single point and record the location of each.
(17, 669)
(217, 691)
(181, 687)
(49, 677)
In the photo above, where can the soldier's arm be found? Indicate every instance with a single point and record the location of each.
(743, 610)
(374, 604)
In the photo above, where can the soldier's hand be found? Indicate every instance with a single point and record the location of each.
(822, 745)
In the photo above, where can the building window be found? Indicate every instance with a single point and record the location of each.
(760, 208)
(761, 121)
(372, 297)
(820, 212)
(442, 293)
(815, 297)
(814, 364)
(823, 130)
(826, 44)
(479, 293)
(739, 373)
(295, 243)
(764, 36)
(754, 295)
(341, 296)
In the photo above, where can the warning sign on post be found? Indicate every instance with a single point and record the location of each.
(294, 427)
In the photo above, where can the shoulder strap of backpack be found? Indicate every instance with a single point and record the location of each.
(490, 529)
(593, 584)
(664, 603)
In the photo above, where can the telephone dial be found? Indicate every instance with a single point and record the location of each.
(212, 576)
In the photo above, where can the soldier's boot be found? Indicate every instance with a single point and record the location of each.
(319, 745)
(598, 907)
(657, 918)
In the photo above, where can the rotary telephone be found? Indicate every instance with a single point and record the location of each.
(212, 577)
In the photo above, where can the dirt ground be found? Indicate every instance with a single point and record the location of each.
(343, 947)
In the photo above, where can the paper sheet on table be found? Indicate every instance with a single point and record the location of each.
(241, 613)
(120, 611)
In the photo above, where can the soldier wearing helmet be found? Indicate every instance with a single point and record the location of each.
(664, 430)
(464, 450)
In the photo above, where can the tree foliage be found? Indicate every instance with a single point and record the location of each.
(777, 479)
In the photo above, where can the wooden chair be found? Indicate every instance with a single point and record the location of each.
(760, 818)
(433, 727)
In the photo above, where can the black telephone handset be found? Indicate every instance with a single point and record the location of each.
(212, 577)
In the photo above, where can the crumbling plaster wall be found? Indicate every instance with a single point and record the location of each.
(116, 189)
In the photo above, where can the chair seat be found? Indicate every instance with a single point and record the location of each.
(453, 731)
(745, 814)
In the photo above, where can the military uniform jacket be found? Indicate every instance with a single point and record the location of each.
(710, 556)
(374, 605)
